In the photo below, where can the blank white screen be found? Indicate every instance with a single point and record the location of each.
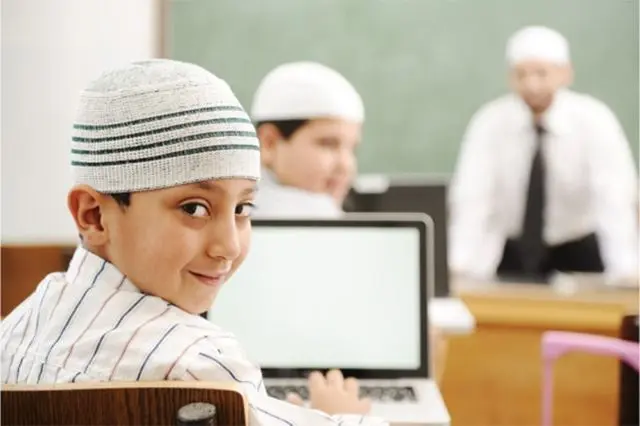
(320, 297)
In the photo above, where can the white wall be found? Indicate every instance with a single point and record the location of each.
(50, 50)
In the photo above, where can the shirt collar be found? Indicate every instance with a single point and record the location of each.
(89, 269)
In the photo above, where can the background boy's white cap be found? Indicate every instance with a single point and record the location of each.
(160, 123)
(306, 90)
(538, 43)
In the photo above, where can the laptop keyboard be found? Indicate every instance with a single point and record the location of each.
(375, 393)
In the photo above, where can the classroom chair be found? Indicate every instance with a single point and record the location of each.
(124, 403)
(629, 403)
(557, 343)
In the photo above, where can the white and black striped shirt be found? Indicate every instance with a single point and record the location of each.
(92, 324)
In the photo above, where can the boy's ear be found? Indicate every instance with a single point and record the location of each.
(87, 208)
(269, 136)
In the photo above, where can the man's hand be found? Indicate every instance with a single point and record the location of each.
(334, 394)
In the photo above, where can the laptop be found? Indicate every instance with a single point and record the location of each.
(347, 293)
(422, 194)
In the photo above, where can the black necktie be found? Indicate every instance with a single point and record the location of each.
(531, 241)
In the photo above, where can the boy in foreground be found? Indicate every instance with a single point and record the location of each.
(165, 163)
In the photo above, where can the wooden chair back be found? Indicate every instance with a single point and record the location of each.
(118, 403)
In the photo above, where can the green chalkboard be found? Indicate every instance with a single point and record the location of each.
(422, 66)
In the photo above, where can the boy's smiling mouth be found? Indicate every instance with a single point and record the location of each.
(211, 279)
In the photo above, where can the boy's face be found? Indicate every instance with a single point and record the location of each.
(537, 82)
(319, 157)
(180, 243)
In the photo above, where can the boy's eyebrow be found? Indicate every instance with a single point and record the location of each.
(249, 191)
(333, 139)
(210, 186)
(206, 185)
(328, 139)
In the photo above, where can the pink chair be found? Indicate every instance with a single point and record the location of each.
(557, 343)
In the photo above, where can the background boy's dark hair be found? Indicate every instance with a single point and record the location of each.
(286, 127)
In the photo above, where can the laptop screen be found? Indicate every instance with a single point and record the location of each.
(329, 294)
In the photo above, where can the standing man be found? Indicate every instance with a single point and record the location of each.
(545, 180)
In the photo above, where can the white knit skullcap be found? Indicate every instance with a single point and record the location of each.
(157, 124)
(306, 90)
(538, 43)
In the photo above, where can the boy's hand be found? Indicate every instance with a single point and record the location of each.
(336, 395)
(333, 395)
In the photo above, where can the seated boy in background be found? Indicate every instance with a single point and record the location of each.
(309, 122)
(165, 163)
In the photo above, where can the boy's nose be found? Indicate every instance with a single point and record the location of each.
(224, 240)
(346, 164)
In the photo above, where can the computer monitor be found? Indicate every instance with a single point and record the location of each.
(319, 294)
(420, 194)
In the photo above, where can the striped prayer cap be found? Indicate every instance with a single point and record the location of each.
(160, 123)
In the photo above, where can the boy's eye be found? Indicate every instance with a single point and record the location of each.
(195, 209)
(245, 209)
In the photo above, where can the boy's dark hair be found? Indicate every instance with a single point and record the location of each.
(286, 127)
(122, 198)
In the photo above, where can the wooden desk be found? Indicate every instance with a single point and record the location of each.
(493, 377)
